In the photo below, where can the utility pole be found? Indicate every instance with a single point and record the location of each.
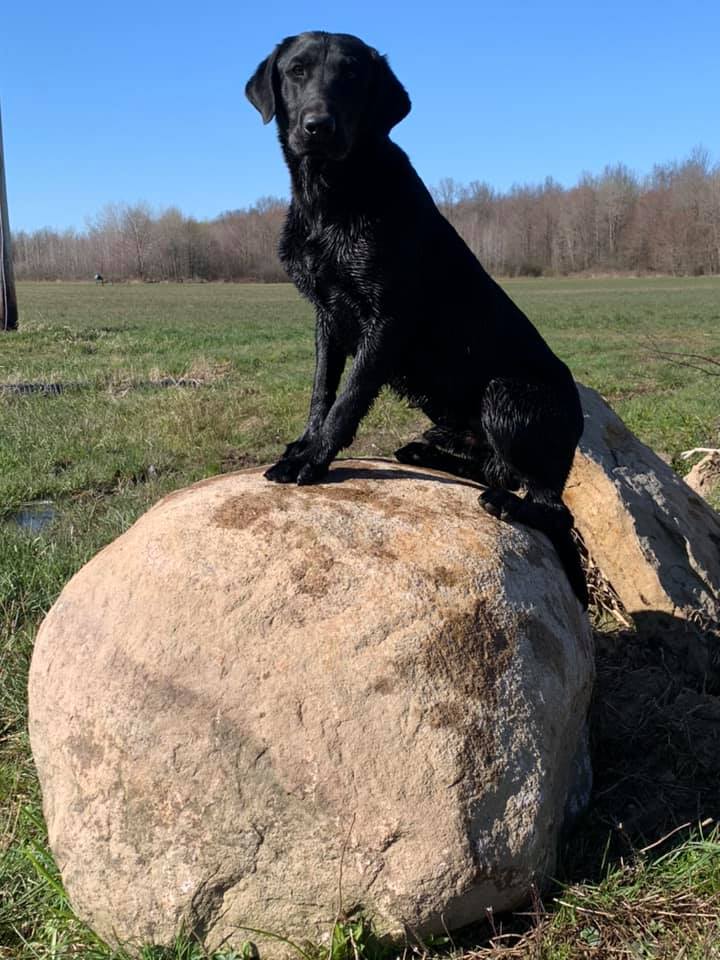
(8, 300)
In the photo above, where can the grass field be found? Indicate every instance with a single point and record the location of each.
(150, 387)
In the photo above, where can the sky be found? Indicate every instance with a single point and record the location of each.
(128, 101)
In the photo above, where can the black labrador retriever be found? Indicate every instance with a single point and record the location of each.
(396, 287)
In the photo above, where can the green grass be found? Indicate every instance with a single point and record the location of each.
(119, 437)
(251, 350)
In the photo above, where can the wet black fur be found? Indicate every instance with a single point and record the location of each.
(395, 287)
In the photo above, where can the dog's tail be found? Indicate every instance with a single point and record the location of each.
(569, 555)
(544, 511)
(550, 515)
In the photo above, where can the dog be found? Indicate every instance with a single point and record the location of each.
(395, 287)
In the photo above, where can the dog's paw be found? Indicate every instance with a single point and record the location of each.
(284, 471)
(311, 473)
(415, 452)
(498, 503)
(297, 448)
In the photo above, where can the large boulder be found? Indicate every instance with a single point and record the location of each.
(260, 696)
(655, 540)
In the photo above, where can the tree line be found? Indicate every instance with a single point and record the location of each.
(666, 222)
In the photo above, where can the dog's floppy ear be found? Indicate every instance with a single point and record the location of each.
(260, 88)
(389, 101)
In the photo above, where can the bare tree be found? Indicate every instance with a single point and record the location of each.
(447, 195)
(138, 230)
(668, 222)
(616, 191)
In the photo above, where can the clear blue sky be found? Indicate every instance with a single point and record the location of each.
(125, 101)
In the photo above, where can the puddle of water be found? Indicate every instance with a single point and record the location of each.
(34, 517)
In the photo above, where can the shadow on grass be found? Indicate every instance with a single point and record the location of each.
(655, 742)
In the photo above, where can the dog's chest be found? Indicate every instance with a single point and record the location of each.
(333, 265)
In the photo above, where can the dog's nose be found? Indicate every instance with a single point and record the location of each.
(320, 125)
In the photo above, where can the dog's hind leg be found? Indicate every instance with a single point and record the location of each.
(461, 453)
(534, 431)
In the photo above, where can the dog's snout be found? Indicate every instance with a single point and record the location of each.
(320, 125)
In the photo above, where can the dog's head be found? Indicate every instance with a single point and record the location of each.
(328, 91)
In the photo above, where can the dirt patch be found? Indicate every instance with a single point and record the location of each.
(383, 686)
(121, 388)
(239, 512)
(383, 553)
(446, 576)
(365, 495)
(470, 654)
(310, 573)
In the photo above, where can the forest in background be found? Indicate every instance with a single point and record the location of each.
(666, 222)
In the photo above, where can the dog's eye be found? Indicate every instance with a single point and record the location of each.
(297, 70)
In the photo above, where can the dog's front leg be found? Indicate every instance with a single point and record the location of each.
(329, 365)
(367, 376)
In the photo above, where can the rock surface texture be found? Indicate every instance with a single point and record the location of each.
(655, 539)
(260, 695)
